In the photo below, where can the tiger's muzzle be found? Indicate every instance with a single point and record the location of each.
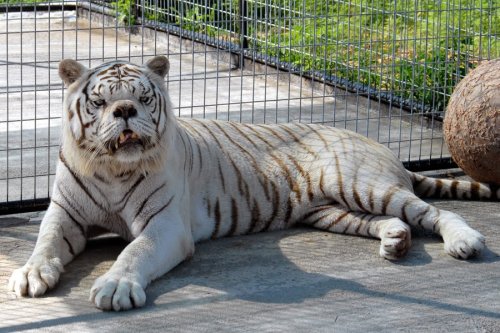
(128, 140)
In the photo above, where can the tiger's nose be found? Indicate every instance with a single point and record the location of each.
(125, 111)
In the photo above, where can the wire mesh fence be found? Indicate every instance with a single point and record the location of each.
(383, 68)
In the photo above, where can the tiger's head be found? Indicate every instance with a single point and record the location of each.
(116, 115)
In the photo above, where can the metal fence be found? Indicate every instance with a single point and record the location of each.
(383, 68)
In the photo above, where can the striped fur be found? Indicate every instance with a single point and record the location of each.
(129, 166)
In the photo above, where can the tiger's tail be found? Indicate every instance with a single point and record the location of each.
(428, 187)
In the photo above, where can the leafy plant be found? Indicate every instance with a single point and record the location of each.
(125, 9)
(416, 50)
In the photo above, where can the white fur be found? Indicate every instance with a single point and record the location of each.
(205, 179)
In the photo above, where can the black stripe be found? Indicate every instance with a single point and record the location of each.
(337, 220)
(101, 178)
(258, 135)
(70, 202)
(221, 176)
(386, 200)
(78, 112)
(340, 182)
(404, 217)
(360, 223)
(436, 222)
(185, 150)
(453, 188)
(321, 186)
(356, 196)
(288, 211)
(243, 134)
(314, 211)
(273, 132)
(191, 132)
(191, 157)
(318, 220)
(276, 204)
(234, 217)
(217, 220)
(82, 229)
(416, 180)
(298, 141)
(320, 136)
(263, 178)
(236, 169)
(70, 247)
(209, 207)
(255, 216)
(157, 212)
(141, 207)
(239, 177)
(79, 181)
(420, 216)
(369, 231)
(305, 175)
(129, 193)
(474, 191)
(371, 200)
(290, 180)
(128, 173)
(439, 188)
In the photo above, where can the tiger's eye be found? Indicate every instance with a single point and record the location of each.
(145, 100)
(98, 103)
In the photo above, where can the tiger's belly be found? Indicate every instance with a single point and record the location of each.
(231, 215)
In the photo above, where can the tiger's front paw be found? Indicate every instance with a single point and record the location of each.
(119, 293)
(463, 242)
(36, 277)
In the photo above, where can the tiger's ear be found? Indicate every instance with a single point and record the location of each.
(70, 71)
(159, 65)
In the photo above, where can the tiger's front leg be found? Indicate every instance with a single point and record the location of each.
(61, 238)
(163, 244)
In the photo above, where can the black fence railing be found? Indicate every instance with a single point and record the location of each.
(383, 68)
(408, 53)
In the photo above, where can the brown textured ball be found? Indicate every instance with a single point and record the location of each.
(472, 123)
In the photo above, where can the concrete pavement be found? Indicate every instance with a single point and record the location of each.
(300, 280)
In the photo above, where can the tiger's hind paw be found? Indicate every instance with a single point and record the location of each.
(395, 241)
(463, 243)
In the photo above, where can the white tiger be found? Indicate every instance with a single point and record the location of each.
(128, 165)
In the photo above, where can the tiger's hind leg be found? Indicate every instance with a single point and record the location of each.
(460, 240)
(394, 234)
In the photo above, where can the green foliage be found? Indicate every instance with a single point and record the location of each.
(17, 2)
(125, 9)
(417, 50)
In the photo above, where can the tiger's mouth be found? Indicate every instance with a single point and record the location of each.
(127, 138)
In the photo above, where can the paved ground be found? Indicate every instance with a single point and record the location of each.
(299, 280)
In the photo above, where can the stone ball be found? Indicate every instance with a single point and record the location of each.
(472, 123)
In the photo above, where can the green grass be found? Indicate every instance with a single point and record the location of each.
(419, 53)
(417, 50)
(27, 2)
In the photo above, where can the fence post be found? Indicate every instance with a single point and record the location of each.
(136, 12)
(243, 12)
